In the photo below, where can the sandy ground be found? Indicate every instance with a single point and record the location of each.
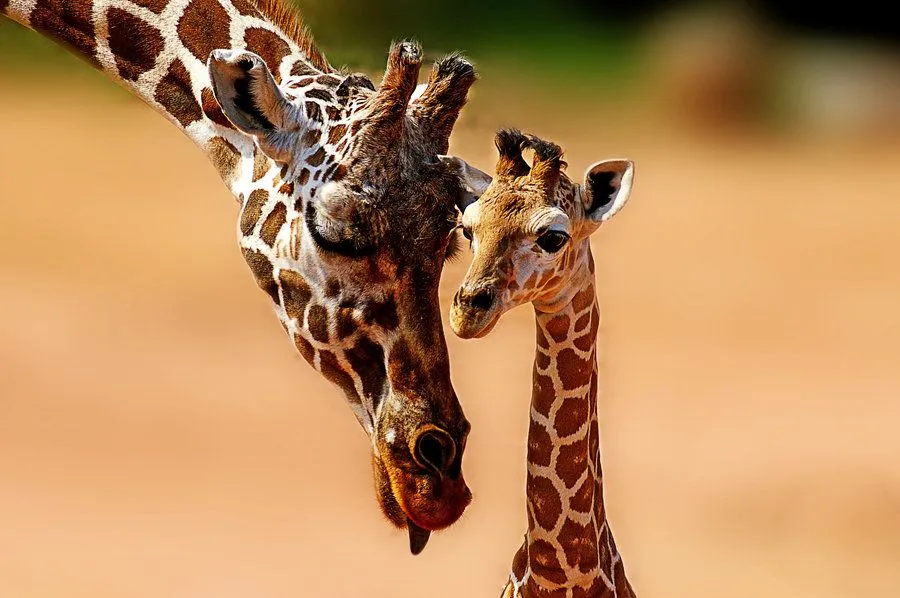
(155, 422)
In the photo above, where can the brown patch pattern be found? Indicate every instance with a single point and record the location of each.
(225, 157)
(175, 95)
(582, 322)
(543, 561)
(558, 328)
(261, 165)
(271, 48)
(583, 299)
(296, 294)
(542, 360)
(318, 323)
(583, 499)
(573, 370)
(286, 18)
(382, 314)
(336, 133)
(571, 462)
(520, 562)
(156, 6)
(270, 228)
(542, 394)
(331, 369)
(580, 542)
(262, 271)
(346, 324)
(313, 112)
(311, 137)
(246, 7)
(134, 43)
(317, 158)
(203, 28)
(571, 415)
(367, 360)
(540, 446)
(252, 211)
(305, 349)
(544, 501)
(68, 21)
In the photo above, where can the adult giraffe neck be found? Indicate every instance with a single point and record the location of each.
(158, 50)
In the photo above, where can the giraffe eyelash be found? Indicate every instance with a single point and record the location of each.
(454, 250)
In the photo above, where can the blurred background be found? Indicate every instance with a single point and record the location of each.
(156, 426)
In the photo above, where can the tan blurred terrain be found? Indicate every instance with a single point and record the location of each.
(157, 429)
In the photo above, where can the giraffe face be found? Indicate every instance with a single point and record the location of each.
(529, 231)
(347, 232)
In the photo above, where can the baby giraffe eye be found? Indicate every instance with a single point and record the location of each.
(467, 233)
(552, 240)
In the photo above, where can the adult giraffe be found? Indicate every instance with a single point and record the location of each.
(346, 207)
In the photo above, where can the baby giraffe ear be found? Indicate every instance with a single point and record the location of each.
(245, 89)
(607, 186)
(474, 182)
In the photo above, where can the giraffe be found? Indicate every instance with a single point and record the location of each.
(347, 205)
(529, 232)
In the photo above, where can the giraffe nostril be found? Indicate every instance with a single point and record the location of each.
(435, 450)
(482, 299)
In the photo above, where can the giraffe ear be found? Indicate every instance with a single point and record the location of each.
(245, 89)
(474, 182)
(607, 186)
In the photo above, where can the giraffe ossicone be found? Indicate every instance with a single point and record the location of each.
(529, 228)
(346, 208)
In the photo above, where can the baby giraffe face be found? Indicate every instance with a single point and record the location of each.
(529, 230)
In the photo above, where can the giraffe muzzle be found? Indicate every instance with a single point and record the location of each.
(474, 312)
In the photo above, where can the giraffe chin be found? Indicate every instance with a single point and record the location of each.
(419, 503)
(467, 326)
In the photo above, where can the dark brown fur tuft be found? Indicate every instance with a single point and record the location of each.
(548, 162)
(285, 16)
(510, 143)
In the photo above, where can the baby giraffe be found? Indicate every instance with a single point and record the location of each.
(530, 232)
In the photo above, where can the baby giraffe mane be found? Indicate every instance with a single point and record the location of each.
(511, 143)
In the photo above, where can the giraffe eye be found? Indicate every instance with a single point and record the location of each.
(552, 241)
(467, 232)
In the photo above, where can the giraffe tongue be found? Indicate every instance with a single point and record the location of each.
(418, 537)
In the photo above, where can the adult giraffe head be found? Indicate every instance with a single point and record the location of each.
(347, 207)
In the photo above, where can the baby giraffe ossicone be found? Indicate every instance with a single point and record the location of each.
(529, 232)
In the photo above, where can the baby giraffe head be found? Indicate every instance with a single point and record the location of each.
(529, 230)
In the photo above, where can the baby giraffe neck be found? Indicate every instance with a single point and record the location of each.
(569, 550)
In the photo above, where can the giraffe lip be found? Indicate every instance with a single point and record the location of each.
(473, 324)
(418, 536)
(483, 327)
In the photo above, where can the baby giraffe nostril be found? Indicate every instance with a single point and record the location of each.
(482, 299)
(435, 450)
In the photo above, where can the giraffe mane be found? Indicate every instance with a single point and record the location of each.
(284, 15)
